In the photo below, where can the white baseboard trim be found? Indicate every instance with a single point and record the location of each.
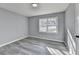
(45, 38)
(13, 41)
(23, 38)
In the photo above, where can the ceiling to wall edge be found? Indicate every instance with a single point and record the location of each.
(31, 16)
(12, 12)
(52, 13)
(47, 14)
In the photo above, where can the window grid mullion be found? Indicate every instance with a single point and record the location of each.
(47, 24)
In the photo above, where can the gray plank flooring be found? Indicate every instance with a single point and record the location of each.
(34, 46)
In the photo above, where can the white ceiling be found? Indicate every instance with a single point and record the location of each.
(27, 10)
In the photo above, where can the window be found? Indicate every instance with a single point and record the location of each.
(48, 25)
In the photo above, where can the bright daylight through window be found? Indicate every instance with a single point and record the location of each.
(48, 25)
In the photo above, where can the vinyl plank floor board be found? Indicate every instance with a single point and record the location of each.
(33, 46)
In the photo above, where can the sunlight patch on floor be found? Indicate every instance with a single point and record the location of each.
(54, 51)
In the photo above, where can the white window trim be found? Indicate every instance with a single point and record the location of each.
(47, 25)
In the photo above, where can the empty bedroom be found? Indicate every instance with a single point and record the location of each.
(39, 28)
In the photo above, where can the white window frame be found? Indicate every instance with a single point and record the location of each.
(44, 22)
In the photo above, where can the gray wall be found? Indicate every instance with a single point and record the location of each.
(12, 26)
(34, 28)
(77, 25)
(77, 17)
(70, 21)
(70, 18)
